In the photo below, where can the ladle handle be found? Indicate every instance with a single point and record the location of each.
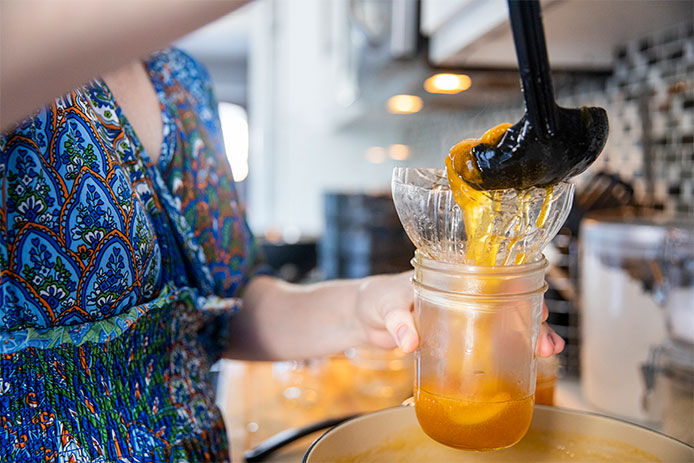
(531, 50)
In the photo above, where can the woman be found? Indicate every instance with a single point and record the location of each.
(126, 264)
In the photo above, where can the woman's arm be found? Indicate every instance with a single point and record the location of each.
(281, 321)
(48, 47)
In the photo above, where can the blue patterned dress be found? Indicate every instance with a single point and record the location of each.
(112, 274)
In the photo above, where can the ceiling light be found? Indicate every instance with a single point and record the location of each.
(404, 104)
(399, 152)
(447, 83)
(376, 154)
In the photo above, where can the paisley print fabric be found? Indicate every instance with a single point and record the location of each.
(111, 274)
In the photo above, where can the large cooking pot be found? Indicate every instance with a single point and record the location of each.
(393, 435)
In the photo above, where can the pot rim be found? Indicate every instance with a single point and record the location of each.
(542, 407)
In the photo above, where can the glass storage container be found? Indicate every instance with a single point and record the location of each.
(637, 290)
(669, 397)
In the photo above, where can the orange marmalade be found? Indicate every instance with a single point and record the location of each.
(493, 416)
(479, 206)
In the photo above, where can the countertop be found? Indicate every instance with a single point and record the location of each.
(261, 399)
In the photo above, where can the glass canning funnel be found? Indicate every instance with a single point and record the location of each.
(511, 227)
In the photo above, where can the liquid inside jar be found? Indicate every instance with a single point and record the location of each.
(474, 384)
(547, 373)
(479, 422)
(544, 391)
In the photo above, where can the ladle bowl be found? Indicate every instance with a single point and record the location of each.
(524, 158)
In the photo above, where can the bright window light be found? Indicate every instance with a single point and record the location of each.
(234, 122)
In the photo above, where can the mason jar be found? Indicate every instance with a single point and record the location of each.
(475, 368)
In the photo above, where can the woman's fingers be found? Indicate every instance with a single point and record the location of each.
(398, 317)
(385, 309)
(557, 340)
(549, 342)
(400, 325)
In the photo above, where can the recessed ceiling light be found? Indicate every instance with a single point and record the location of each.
(404, 104)
(376, 154)
(447, 83)
(399, 152)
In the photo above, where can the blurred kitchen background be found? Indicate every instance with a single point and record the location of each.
(320, 99)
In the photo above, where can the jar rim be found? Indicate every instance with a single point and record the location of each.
(422, 261)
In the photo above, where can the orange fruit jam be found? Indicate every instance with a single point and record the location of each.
(479, 206)
(490, 422)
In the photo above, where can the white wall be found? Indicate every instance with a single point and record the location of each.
(297, 151)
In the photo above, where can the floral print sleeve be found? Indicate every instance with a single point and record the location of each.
(200, 178)
(202, 190)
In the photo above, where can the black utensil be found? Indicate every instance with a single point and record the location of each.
(268, 446)
(549, 144)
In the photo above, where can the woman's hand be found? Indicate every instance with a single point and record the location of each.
(384, 308)
(548, 342)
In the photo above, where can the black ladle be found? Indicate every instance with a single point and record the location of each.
(549, 144)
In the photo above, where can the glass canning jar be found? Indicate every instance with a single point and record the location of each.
(475, 368)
